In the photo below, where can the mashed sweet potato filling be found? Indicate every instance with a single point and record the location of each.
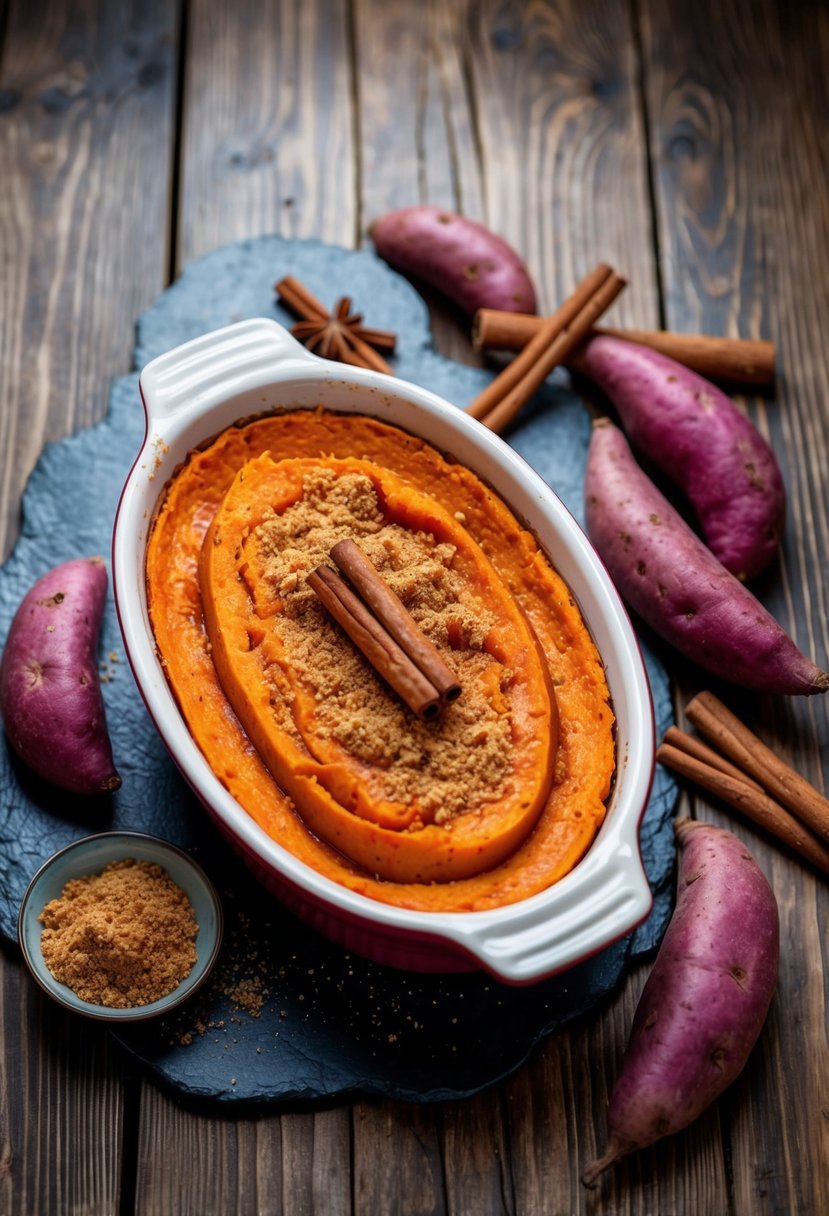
(407, 800)
(476, 811)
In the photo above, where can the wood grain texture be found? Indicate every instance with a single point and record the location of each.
(397, 1160)
(551, 90)
(558, 120)
(558, 109)
(316, 1157)
(196, 1164)
(477, 1157)
(267, 124)
(308, 118)
(85, 124)
(416, 144)
(61, 1110)
(416, 124)
(267, 146)
(738, 124)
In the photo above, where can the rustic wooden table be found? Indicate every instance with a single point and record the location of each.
(683, 143)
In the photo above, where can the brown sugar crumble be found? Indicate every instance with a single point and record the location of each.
(445, 769)
(121, 938)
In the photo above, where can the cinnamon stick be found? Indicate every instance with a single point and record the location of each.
(380, 339)
(754, 804)
(550, 328)
(299, 299)
(734, 361)
(387, 658)
(360, 354)
(731, 736)
(395, 619)
(560, 333)
(701, 751)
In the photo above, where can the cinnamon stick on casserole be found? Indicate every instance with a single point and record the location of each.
(384, 632)
(389, 610)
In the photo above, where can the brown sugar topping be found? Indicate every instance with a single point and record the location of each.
(445, 769)
(121, 938)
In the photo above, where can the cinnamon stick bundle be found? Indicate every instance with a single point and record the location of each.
(731, 736)
(556, 338)
(392, 615)
(741, 771)
(734, 361)
(674, 737)
(380, 626)
(750, 800)
(388, 659)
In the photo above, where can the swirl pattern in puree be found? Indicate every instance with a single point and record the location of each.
(476, 812)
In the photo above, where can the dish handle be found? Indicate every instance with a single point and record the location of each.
(604, 905)
(218, 364)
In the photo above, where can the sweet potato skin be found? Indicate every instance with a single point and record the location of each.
(694, 433)
(50, 691)
(706, 999)
(674, 582)
(472, 266)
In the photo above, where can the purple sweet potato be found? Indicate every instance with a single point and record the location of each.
(706, 999)
(50, 691)
(461, 258)
(676, 584)
(690, 430)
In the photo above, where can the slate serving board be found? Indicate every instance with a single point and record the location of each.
(288, 1016)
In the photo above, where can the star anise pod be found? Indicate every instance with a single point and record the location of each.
(338, 335)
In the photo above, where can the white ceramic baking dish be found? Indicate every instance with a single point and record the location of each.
(193, 393)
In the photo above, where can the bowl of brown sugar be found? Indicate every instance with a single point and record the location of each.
(120, 926)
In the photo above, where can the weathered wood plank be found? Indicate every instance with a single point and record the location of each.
(84, 152)
(316, 1155)
(215, 1165)
(416, 123)
(397, 1160)
(477, 1157)
(418, 144)
(267, 146)
(738, 139)
(268, 125)
(558, 141)
(61, 1109)
(558, 125)
(85, 108)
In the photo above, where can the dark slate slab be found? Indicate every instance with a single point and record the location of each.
(288, 1016)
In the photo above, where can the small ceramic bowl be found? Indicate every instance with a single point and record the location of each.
(89, 856)
(192, 394)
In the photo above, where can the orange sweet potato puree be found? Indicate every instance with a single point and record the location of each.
(564, 760)
(339, 795)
